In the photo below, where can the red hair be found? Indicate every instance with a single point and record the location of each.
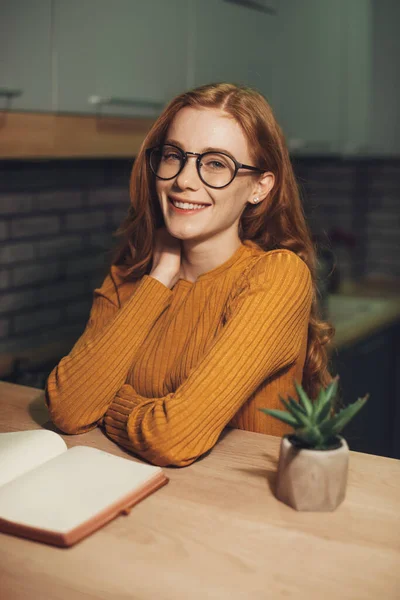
(277, 223)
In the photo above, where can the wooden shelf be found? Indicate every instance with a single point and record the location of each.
(33, 135)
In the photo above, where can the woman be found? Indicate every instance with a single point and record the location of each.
(209, 311)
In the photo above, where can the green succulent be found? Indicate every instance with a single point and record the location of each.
(313, 425)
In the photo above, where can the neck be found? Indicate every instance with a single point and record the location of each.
(201, 257)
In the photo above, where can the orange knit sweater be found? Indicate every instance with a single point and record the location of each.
(164, 371)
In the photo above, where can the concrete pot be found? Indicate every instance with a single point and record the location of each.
(312, 480)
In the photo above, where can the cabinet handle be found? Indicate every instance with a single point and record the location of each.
(9, 94)
(147, 105)
(260, 6)
(310, 147)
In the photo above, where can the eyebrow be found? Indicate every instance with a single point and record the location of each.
(208, 149)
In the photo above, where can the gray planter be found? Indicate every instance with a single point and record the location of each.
(312, 480)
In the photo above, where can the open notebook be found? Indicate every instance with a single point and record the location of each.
(59, 496)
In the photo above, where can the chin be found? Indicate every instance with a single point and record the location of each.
(185, 232)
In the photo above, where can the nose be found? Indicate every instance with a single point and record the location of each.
(189, 177)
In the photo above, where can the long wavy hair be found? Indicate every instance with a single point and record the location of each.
(277, 223)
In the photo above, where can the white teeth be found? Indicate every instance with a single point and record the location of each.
(188, 205)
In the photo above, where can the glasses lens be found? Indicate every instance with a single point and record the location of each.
(217, 169)
(166, 161)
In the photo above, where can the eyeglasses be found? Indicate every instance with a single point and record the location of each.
(215, 169)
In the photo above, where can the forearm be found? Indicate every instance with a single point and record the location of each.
(153, 428)
(84, 383)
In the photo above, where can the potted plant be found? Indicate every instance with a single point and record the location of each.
(313, 461)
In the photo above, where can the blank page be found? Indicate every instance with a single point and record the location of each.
(21, 451)
(66, 491)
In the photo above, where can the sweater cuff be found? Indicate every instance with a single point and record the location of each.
(117, 415)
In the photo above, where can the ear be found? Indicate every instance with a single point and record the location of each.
(262, 188)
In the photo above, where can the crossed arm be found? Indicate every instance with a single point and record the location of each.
(262, 336)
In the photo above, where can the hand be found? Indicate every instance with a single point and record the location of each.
(166, 258)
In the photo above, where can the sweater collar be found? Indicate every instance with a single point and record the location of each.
(244, 248)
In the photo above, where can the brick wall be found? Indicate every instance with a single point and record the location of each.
(56, 224)
(57, 219)
(383, 220)
(355, 205)
(328, 190)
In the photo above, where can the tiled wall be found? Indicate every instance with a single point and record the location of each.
(57, 219)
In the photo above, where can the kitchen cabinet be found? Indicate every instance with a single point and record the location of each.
(324, 56)
(340, 83)
(134, 53)
(371, 366)
(311, 56)
(25, 55)
(330, 70)
(384, 115)
(234, 43)
(357, 83)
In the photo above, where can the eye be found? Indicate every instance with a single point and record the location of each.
(217, 165)
(214, 163)
(171, 156)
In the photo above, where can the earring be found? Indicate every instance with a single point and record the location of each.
(255, 200)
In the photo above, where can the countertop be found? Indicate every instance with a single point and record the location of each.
(216, 531)
(356, 317)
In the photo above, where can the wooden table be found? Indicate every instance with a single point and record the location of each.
(216, 531)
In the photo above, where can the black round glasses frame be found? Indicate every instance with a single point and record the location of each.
(199, 158)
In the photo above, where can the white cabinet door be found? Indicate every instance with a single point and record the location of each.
(358, 76)
(25, 54)
(312, 57)
(385, 112)
(125, 50)
(234, 43)
(326, 65)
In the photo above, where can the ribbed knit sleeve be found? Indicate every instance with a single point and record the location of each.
(83, 384)
(267, 321)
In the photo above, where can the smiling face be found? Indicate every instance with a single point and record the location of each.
(192, 210)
